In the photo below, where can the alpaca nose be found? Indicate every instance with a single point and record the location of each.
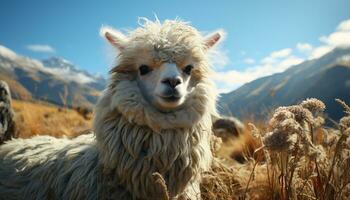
(172, 82)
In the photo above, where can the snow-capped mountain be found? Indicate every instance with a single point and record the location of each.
(55, 79)
(65, 68)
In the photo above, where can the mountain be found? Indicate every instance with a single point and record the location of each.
(55, 80)
(325, 78)
(62, 66)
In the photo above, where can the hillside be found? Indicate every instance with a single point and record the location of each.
(45, 119)
(55, 80)
(325, 78)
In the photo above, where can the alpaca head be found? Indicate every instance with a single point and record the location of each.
(5, 95)
(167, 60)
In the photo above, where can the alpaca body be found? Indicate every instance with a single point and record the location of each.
(155, 116)
(45, 167)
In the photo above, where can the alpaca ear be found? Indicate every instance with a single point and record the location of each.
(114, 37)
(213, 39)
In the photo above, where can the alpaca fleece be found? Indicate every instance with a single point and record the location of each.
(131, 140)
(7, 124)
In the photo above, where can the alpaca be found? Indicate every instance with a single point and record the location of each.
(155, 116)
(227, 127)
(7, 123)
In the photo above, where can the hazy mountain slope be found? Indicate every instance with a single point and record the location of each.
(65, 68)
(325, 78)
(55, 80)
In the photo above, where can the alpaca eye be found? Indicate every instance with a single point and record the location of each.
(188, 69)
(144, 69)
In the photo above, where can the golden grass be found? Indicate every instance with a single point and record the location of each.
(238, 147)
(35, 118)
(311, 162)
(316, 165)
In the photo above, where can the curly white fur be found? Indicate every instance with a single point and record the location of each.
(132, 139)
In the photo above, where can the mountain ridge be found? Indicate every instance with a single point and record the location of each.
(326, 78)
(55, 80)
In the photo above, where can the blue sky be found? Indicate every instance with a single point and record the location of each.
(259, 33)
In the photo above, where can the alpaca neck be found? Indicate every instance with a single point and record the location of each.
(133, 153)
(135, 140)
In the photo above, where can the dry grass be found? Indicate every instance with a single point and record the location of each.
(292, 157)
(301, 160)
(45, 119)
(239, 148)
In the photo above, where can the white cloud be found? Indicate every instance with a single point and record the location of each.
(344, 26)
(218, 58)
(249, 61)
(320, 51)
(232, 79)
(41, 48)
(304, 47)
(279, 61)
(68, 75)
(6, 52)
(61, 73)
(339, 38)
(281, 53)
(274, 56)
(268, 60)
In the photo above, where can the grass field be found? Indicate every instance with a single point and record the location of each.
(292, 157)
(295, 157)
(39, 118)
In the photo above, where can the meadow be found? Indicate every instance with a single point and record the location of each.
(293, 156)
(41, 118)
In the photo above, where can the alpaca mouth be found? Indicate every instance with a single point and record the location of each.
(171, 98)
(169, 103)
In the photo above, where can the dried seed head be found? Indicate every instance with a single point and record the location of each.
(313, 105)
(318, 153)
(289, 126)
(347, 132)
(345, 106)
(279, 141)
(318, 122)
(215, 143)
(344, 123)
(301, 114)
(255, 132)
(280, 115)
(331, 137)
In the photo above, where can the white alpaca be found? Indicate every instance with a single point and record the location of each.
(154, 116)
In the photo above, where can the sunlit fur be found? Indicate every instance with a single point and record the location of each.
(133, 138)
(158, 46)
